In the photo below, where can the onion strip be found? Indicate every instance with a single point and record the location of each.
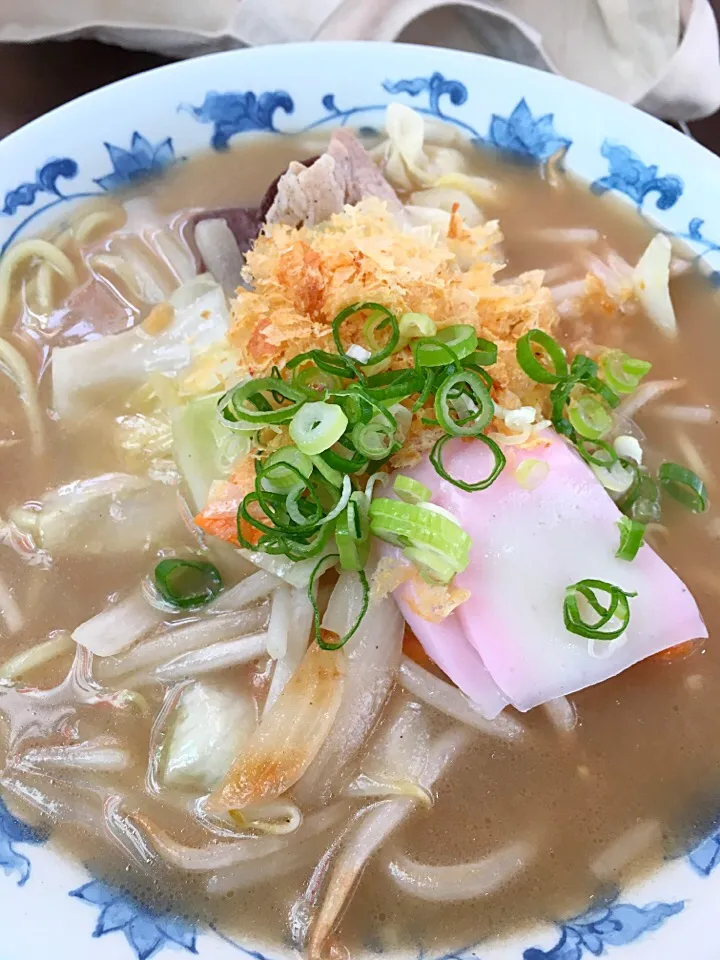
(461, 881)
(374, 829)
(450, 701)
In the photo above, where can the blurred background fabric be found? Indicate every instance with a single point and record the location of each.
(659, 54)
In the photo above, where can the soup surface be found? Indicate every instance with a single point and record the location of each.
(571, 801)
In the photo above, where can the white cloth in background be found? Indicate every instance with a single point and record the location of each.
(659, 54)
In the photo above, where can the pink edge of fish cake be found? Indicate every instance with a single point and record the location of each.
(528, 547)
(445, 643)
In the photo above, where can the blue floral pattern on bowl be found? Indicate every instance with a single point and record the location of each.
(12, 832)
(233, 113)
(524, 117)
(522, 134)
(629, 175)
(140, 161)
(146, 932)
(610, 926)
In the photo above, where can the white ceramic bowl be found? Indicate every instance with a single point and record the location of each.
(50, 907)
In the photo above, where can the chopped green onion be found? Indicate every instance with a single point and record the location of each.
(532, 366)
(433, 565)
(684, 486)
(499, 458)
(485, 353)
(282, 481)
(596, 452)
(632, 535)
(187, 583)
(324, 637)
(623, 373)
(335, 477)
(355, 463)
(414, 526)
(373, 481)
(317, 426)
(352, 533)
(617, 608)
(411, 491)
(416, 325)
(452, 343)
(468, 384)
(234, 403)
(332, 363)
(376, 440)
(394, 385)
(380, 317)
(589, 417)
(315, 380)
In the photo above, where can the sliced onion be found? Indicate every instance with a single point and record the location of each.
(60, 642)
(450, 701)
(562, 714)
(119, 626)
(372, 655)
(531, 473)
(641, 840)
(462, 881)
(218, 656)
(278, 625)
(103, 754)
(219, 856)
(173, 643)
(289, 736)
(647, 392)
(254, 587)
(298, 636)
(368, 837)
(651, 280)
(220, 251)
(629, 447)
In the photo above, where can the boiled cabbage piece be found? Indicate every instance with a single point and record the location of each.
(84, 373)
(528, 546)
(110, 514)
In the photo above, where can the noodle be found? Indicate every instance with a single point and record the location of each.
(32, 250)
(14, 365)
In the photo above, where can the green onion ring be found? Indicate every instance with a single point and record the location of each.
(500, 460)
(186, 584)
(322, 640)
(252, 391)
(457, 342)
(477, 392)
(532, 366)
(632, 535)
(618, 607)
(684, 486)
(386, 318)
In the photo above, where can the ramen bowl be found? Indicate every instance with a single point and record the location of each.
(148, 126)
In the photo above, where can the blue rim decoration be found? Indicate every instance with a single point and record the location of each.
(146, 932)
(629, 175)
(614, 925)
(233, 113)
(523, 130)
(14, 831)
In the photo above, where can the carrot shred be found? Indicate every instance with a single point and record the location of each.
(413, 649)
(680, 651)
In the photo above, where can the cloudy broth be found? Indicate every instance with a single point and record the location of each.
(645, 750)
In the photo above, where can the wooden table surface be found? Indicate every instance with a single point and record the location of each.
(35, 78)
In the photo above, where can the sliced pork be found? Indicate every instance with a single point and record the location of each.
(344, 174)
